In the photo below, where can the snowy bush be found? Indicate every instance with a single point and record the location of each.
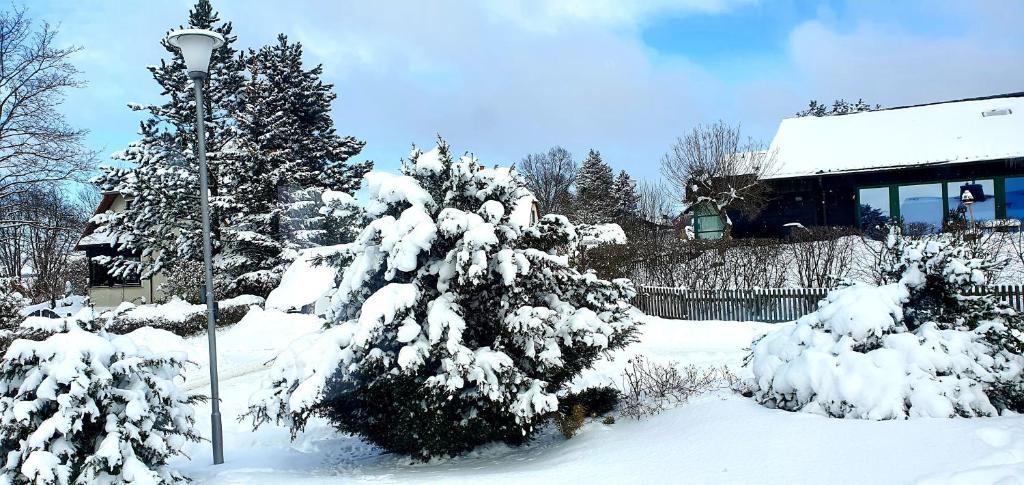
(596, 401)
(178, 316)
(84, 407)
(924, 345)
(454, 323)
(11, 303)
(184, 281)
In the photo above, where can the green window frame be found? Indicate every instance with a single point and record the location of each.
(998, 189)
(707, 223)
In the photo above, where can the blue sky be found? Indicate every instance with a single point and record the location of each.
(503, 79)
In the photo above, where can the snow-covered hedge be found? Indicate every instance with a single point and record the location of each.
(85, 407)
(922, 346)
(178, 316)
(453, 324)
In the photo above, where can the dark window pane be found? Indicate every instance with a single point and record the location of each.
(1015, 198)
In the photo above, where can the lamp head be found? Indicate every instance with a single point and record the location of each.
(967, 198)
(196, 46)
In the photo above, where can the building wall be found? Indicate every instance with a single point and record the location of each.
(112, 296)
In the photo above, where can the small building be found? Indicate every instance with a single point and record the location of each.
(912, 163)
(107, 290)
(707, 221)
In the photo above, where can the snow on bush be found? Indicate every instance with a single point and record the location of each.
(925, 345)
(84, 407)
(452, 325)
(600, 235)
(178, 316)
(308, 280)
(11, 303)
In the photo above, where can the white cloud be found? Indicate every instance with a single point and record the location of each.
(508, 78)
(549, 15)
(892, 66)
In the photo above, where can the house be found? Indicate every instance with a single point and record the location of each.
(105, 289)
(910, 162)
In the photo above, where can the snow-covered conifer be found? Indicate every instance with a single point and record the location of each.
(455, 322)
(925, 345)
(626, 198)
(11, 303)
(85, 407)
(289, 152)
(273, 151)
(595, 201)
(162, 221)
(343, 218)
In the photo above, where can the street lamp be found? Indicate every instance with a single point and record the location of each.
(196, 46)
(967, 199)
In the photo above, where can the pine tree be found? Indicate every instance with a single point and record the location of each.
(291, 154)
(839, 107)
(626, 198)
(162, 221)
(595, 203)
(11, 303)
(273, 151)
(454, 323)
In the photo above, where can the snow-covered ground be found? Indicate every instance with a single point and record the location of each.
(720, 438)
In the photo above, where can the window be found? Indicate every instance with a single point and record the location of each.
(921, 208)
(983, 191)
(98, 274)
(1015, 198)
(874, 207)
(707, 222)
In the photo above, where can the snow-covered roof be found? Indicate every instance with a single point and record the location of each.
(950, 132)
(89, 236)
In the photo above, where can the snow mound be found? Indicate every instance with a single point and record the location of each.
(65, 307)
(306, 283)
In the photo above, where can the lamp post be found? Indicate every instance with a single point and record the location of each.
(196, 46)
(967, 199)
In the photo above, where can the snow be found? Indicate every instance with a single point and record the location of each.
(245, 347)
(387, 187)
(721, 438)
(523, 213)
(65, 307)
(600, 234)
(954, 132)
(305, 283)
(428, 162)
(175, 310)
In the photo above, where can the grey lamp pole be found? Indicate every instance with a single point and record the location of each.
(196, 47)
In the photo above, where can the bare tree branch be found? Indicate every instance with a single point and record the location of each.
(550, 177)
(713, 163)
(37, 146)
